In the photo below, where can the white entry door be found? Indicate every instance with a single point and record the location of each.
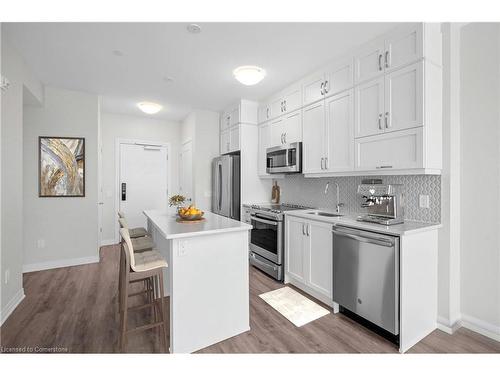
(143, 181)
(186, 171)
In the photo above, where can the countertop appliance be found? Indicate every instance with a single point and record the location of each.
(366, 275)
(267, 237)
(384, 203)
(286, 158)
(226, 186)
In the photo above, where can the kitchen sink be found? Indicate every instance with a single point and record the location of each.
(327, 214)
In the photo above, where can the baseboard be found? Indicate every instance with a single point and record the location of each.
(445, 325)
(11, 306)
(59, 263)
(108, 242)
(481, 327)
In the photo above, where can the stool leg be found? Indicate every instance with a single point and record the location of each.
(163, 310)
(124, 311)
(120, 283)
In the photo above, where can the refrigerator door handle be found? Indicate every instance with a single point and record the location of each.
(219, 186)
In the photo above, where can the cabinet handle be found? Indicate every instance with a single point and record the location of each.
(303, 229)
(267, 112)
(307, 230)
(284, 137)
(281, 138)
(284, 105)
(326, 87)
(380, 62)
(322, 160)
(322, 84)
(384, 167)
(387, 58)
(387, 122)
(326, 163)
(380, 121)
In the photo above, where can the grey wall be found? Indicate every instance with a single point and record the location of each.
(480, 198)
(310, 192)
(115, 126)
(23, 85)
(67, 225)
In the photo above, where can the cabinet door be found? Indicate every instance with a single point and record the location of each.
(277, 132)
(264, 144)
(319, 255)
(339, 77)
(369, 108)
(276, 106)
(293, 127)
(368, 62)
(235, 116)
(294, 244)
(403, 46)
(395, 150)
(312, 88)
(292, 98)
(225, 121)
(234, 138)
(313, 146)
(264, 113)
(340, 132)
(404, 98)
(225, 142)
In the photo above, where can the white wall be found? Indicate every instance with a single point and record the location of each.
(68, 226)
(115, 126)
(480, 198)
(202, 128)
(22, 84)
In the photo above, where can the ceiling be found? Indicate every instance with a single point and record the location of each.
(83, 56)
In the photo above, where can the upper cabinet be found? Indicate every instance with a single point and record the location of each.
(368, 62)
(243, 112)
(282, 103)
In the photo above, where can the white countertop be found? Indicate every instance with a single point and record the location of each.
(165, 222)
(349, 219)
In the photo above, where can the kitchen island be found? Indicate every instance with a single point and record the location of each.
(206, 278)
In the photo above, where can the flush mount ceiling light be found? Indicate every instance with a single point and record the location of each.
(194, 28)
(149, 107)
(249, 74)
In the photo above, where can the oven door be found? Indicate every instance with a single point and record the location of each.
(266, 238)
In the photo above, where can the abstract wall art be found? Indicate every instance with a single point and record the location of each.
(61, 171)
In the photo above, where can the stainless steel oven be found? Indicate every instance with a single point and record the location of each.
(266, 237)
(286, 158)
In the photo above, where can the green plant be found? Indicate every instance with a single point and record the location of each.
(176, 200)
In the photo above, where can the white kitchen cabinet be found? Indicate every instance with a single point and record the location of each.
(225, 143)
(395, 150)
(369, 108)
(403, 46)
(234, 138)
(234, 117)
(404, 98)
(225, 121)
(308, 256)
(264, 144)
(368, 62)
(292, 98)
(295, 244)
(313, 88)
(277, 130)
(313, 146)
(319, 255)
(340, 132)
(276, 107)
(264, 113)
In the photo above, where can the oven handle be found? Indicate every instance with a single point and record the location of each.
(254, 258)
(260, 220)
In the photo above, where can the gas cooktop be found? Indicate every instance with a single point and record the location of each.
(278, 208)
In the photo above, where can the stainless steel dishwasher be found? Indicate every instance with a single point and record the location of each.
(366, 275)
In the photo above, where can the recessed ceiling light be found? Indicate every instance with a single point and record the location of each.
(149, 107)
(118, 53)
(249, 74)
(194, 28)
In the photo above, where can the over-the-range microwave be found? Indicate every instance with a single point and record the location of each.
(286, 158)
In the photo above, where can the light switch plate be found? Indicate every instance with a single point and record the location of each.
(423, 201)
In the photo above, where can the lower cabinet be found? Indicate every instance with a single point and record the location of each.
(308, 257)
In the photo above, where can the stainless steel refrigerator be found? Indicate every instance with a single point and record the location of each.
(226, 186)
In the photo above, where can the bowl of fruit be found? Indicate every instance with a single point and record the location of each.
(190, 213)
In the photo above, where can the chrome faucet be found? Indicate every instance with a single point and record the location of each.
(337, 207)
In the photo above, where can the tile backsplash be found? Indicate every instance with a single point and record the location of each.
(310, 192)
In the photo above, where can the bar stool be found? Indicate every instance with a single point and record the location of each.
(147, 265)
(141, 243)
(134, 232)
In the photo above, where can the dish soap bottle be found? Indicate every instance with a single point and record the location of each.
(275, 193)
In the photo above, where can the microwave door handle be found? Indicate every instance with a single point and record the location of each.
(260, 220)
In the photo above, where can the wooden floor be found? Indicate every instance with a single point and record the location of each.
(74, 309)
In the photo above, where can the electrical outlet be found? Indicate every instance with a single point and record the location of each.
(7, 276)
(40, 244)
(423, 201)
(182, 248)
